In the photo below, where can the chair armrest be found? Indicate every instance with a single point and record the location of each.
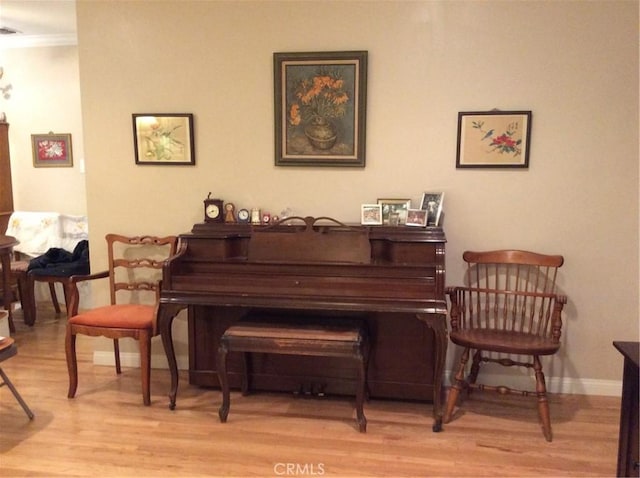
(73, 295)
(82, 278)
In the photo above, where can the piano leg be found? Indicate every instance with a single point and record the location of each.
(221, 364)
(437, 323)
(166, 314)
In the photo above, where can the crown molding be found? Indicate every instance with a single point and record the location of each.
(33, 41)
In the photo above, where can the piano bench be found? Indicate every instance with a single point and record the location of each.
(325, 337)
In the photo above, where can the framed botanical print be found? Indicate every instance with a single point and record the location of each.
(493, 139)
(164, 139)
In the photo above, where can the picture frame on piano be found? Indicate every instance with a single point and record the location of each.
(371, 215)
(432, 203)
(394, 211)
(416, 217)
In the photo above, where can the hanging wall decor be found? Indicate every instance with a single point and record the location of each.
(320, 108)
(164, 139)
(51, 150)
(493, 139)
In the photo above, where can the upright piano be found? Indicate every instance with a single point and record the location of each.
(391, 276)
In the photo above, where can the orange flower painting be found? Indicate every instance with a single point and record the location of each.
(320, 108)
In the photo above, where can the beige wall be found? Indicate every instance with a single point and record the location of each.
(45, 97)
(574, 64)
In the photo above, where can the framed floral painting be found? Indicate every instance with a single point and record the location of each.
(493, 139)
(164, 139)
(52, 150)
(320, 108)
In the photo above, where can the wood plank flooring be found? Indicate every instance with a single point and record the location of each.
(107, 432)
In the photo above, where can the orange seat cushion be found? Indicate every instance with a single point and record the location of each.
(121, 316)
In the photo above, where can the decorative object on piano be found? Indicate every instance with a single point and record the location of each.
(51, 150)
(432, 203)
(243, 216)
(416, 217)
(255, 216)
(371, 214)
(320, 108)
(229, 212)
(165, 139)
(493, 139)
(394, 211)
(266, 218)
(213, 209)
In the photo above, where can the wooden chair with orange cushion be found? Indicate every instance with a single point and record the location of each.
(507, 311)
(135, 266)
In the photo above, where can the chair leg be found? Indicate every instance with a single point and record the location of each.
(456, 387)
(23, 404)
(543, 402)
(145, 366)
(72, 363)
(221, 365)
(25, 298)
(66, 288)
(116, 351)
(475, 369)
(54, 297)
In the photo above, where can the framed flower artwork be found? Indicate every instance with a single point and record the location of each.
(164, 139)
(52, 150)
(320, 108)
(493, 139)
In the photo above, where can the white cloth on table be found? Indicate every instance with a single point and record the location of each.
(40, 231)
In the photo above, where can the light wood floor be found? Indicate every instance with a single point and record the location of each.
(107, 432)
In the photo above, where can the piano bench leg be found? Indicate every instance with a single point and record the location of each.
(246, 373)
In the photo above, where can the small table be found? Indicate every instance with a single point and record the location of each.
(6, 248)
(628, 464)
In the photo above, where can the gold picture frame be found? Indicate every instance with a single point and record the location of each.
(52, 150)
(394, 211)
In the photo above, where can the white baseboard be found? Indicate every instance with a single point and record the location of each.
(572, 386)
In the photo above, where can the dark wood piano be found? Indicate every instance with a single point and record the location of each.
(392, 276)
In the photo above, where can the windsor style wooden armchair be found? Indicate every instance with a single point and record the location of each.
(508, 307)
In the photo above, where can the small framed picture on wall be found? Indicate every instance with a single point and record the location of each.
(52, 150)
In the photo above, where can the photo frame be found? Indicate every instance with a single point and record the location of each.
(394, 211)
(432, 204)
(417, 217)
(320, 108)
(163, 139)
(493, 139)
(52, 150)
(371, 214)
